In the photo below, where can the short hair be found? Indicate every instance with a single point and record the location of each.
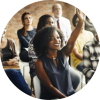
(54, 5)
(41, 39)
(42, 21)
(74, 20)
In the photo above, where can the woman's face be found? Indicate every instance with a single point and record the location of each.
(49, 22)
(4, 33)
(27, 19)
(54, 41)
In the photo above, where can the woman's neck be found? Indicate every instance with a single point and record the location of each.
(51, 54)
(28, 27)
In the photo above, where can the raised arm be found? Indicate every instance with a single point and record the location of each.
(70, 44)
(45, 80)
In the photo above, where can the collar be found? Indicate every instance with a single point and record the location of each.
(57, 18)
(95, 41)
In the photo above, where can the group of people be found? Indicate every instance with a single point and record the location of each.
(47, 49)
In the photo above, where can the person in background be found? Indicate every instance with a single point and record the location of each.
(52, 67)
(48, 20)
(91, 52)
(8, 51)
(83, 38)
(25, 34)
(9, 57)
(60, 22)
(91, 56)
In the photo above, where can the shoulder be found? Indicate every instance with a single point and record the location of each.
(89, 43)
(38, 63)
(10, 40)
(65, 19)
(88, 32)
(19, 31)
(34, 29)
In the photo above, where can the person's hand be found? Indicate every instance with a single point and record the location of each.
(80, 15)
(12, 62)
(33, 96)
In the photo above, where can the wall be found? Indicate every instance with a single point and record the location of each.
(36, 9)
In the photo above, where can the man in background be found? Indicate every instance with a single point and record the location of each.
(60, 22)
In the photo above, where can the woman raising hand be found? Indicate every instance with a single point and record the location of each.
(51, 66)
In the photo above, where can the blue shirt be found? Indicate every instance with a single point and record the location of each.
(24, 40)
(59, 76)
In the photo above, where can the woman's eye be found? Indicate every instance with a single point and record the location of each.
(26, 18)
(58, 37)
(51, 39)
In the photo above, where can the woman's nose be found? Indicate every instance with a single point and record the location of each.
(57, 40)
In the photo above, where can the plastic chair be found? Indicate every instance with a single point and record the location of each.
(37, 87)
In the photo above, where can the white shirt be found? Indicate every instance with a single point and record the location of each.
(65, 26)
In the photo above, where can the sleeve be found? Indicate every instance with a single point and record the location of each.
(4, 63)
(22, 39)
(14, 50)
(87, 70)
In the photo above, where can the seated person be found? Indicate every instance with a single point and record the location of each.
(91, 55)
(8, 51)
(25, 34)
(83, 38)
(9, 57)
(47, 20)
(52, 67)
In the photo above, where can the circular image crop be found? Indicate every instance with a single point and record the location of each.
(50, 50)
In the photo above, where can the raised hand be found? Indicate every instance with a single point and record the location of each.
(80, 15)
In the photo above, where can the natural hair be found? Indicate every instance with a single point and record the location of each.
(22, 18)
(41, 39)
(42, 21)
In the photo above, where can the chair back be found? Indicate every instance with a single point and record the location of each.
(37, 87)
